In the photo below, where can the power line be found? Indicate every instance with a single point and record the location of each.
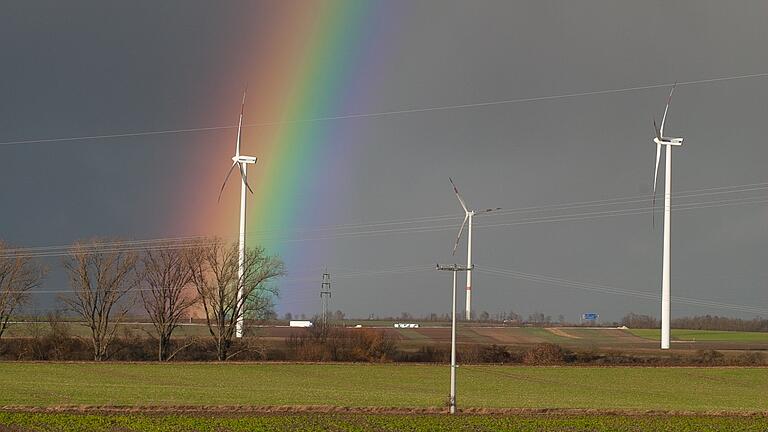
(614, 290)
(647, 296)
(114, 248)
(382, 113)
(551, 280)
(635, 199)
(547, 219)
(551, 218)
(350, 275)
(496, 271)
(407, 221)
(117, 247)
(108, 243)
(569, 205)
(630, 212)
(502, 272)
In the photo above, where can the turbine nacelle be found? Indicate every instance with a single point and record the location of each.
(244, 159)
(468, 213)
(668, 141)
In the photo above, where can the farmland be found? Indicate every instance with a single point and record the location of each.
(705, 335)
(391, 397)
(439, 332)
(279, 396)
(476, 333)
(340, 422)
(392, 385)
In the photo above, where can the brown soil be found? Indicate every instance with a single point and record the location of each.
(509, 335)
(561, 333)
(325, 409)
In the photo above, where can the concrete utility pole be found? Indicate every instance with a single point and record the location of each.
(325, 295)
(455, 269)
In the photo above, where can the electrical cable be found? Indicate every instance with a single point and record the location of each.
(380, 113)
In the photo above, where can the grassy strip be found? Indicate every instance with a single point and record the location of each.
(362, 422)
(703, 335)
(387, 385)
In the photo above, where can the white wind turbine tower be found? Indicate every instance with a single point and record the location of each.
(242, 163)
(468, 216)
(660, 140)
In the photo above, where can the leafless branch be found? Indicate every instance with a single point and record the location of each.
(101, 282)
(18, 275)
(167, 279)
(215, 268)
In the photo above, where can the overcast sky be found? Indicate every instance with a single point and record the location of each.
(84, 68)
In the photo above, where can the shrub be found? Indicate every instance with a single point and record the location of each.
(588, 356)
(708, 357)
(426, 354)
(341, 344)
(544, 354)
(750, 358)
(498, 354)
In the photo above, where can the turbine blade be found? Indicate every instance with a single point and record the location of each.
(488, 210)
(242, 175)
(458, 195)
(240, 123)
(655, 177)
(664, 119)
(458, 237)
(225, 180)
(656, 129)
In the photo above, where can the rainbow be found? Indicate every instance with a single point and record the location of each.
(312, 65)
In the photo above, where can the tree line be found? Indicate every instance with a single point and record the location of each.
(699, 322)
(107, 279)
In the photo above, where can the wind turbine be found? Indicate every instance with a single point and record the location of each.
(242, 163)
(468, 216)
(660, 140)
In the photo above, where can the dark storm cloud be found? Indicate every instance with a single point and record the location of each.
(82, 68)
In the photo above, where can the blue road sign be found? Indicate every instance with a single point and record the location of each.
(590, 316)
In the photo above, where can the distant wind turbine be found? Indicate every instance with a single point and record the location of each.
(242, 163)
(468, 216)
(660, 140)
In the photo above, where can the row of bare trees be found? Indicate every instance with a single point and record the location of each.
(18, 275)
(699, 322)
(168, 280)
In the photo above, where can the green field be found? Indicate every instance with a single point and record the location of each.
(703, 335)
(20, 422)
(392, 385)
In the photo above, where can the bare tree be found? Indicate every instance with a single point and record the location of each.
(101, 279)
(338, 316)
(18, 275)
(215, 276)
(167, 281)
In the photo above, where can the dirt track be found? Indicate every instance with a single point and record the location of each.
(233, 410)
(562, 333)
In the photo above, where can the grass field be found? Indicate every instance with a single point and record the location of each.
(704, 335)
(20, 422)
(362, 385)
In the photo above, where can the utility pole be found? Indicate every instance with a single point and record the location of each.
(455, 269)
(325, 295)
